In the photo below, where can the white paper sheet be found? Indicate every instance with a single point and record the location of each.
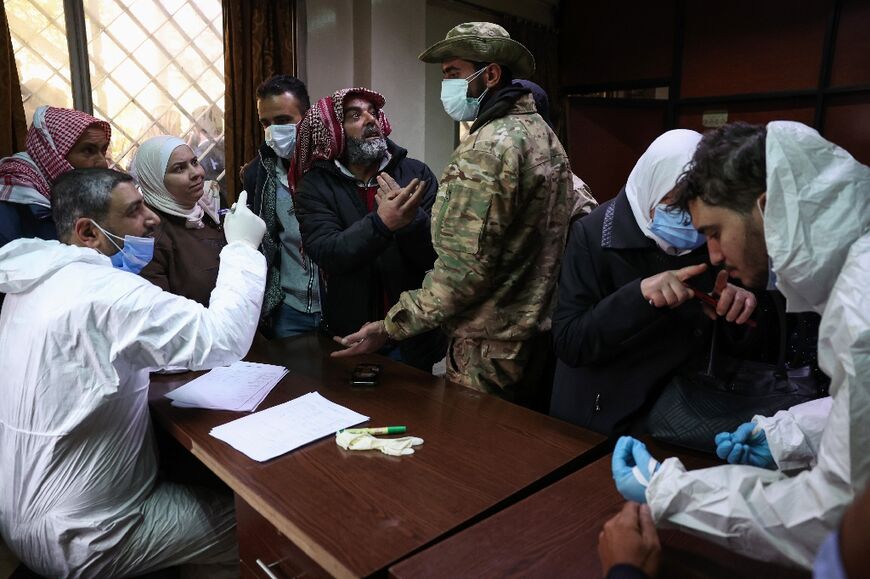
(240, 387)
(280, 429)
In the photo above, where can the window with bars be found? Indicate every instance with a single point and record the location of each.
(154, 67)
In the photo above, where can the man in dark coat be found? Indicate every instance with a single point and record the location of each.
(370, 246)
(291, 303)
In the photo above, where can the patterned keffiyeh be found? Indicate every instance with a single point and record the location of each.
(320, 134)
(27, 177)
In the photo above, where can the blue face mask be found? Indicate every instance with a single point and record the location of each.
(675, 228)
(136, 253)
(457, 103)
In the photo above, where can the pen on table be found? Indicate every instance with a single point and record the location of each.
(380, 430)
(713, 302)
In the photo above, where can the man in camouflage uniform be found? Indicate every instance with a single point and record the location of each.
(499, 224)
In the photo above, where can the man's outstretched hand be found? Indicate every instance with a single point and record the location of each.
(369, 339)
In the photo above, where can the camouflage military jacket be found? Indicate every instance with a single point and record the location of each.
(498, 226)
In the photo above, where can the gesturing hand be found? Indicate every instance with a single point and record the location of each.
(735, 303)
(370, 338)
(397, 206)
(667, 288)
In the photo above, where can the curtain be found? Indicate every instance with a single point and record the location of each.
(12, 118)
(543, 42)
(259, 41)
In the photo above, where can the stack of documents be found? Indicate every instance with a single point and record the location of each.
(240, 387)
(274, 431)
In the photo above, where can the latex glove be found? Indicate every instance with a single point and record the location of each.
(632, 467)
(241, 224)
(746, 445)
(392, 446)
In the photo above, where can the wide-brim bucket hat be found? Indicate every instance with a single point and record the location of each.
(482, 42)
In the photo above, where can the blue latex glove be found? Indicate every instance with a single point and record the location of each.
(632, 467)
(744, 446)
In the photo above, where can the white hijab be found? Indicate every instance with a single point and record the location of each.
(655, 175)
(149, 169)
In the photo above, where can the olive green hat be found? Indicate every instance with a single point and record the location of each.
(482, 42)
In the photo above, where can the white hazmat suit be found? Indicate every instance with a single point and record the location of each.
(816, 230)
(79, 496)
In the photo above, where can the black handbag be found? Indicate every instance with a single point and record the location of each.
(694, 407)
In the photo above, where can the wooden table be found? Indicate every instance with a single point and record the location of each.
(321, 510)
(554, 533)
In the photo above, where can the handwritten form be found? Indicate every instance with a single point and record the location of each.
(280, 429)
(240, 387)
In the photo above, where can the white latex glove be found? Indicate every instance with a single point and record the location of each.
(391, 446)
(241, 224)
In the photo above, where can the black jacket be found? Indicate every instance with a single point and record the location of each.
(360, 260)
(617, 351)
(259, 180)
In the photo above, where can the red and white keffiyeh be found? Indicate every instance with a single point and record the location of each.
(320, 134)
(49, 141)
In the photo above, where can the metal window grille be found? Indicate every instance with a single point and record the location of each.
(155, 67)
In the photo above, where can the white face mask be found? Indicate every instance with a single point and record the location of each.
(454, 97)
(281, 139)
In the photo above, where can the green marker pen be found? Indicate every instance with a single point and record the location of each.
(381, 430)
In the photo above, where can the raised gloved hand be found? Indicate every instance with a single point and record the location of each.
(632, 467)
(241, 224)
(746, 445)
(392, 446)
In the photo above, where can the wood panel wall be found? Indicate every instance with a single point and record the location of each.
(802, 60)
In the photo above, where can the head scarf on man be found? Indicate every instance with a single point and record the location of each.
(320, 135)
(656, 174)
(149, 170)
(27, 177)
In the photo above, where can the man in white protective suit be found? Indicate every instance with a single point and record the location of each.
(778, 204)
(79, 332)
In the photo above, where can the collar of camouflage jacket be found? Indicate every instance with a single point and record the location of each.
(510, 100)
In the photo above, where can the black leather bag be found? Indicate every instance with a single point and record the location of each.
(694, 407)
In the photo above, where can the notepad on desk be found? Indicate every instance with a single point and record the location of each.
(280, 429)
(240, 387)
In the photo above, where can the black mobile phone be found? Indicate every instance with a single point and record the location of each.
(365, 375)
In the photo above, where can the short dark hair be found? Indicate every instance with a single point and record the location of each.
(83, 193)
(728, 169)
(507, 75)
(281, 83)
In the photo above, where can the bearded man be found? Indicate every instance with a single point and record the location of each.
(370, 246)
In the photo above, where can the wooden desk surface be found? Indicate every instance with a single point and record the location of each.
(355, 513)
(554, 533)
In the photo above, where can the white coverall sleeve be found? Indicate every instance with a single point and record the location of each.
(794, 435)
(766, 514)
(153, 328)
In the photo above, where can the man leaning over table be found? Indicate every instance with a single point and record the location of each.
(780, 206)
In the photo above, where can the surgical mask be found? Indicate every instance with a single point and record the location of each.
(454, 97)
(136, 253)
(675, 228)
(281, 139)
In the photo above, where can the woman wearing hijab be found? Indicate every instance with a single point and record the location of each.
(187, 249)
(625, 319)
(58, 141)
